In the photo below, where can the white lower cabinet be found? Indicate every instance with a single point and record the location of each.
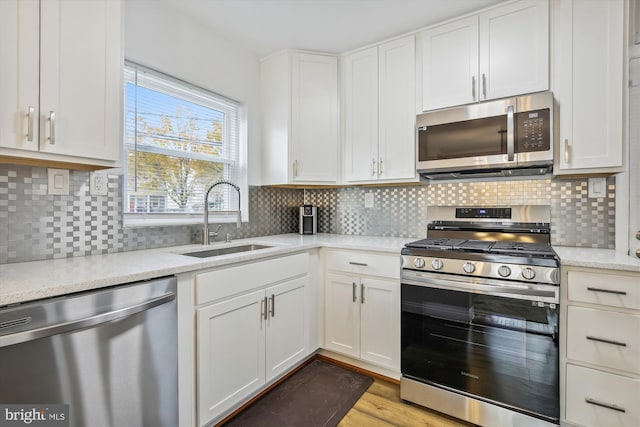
(248, 340)
(362, 313)
(601, 349)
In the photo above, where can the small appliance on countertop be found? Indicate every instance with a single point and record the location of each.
(308, 219)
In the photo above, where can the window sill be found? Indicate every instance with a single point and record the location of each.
(150, 221)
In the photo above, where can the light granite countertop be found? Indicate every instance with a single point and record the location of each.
(20, 282)
(597, 258)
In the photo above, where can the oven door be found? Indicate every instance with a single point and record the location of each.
(497, 349)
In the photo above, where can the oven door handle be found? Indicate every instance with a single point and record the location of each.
(517, 291)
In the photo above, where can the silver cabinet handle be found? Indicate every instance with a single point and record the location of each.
(473, 87)
(359, 264)
(618, 343)
(263, 308)
(510, 137)
(607, 291)
(295, 168)
(30, 113)
(85, 323)
(380, 171)
(361, 293)
(605, 405)
(373, 167)
(484, 86)
(566, 151)
(52, 127)
(638, 235)
(353, 291)
(273, 305)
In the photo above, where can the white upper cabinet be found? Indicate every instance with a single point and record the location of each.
(590, 85)
(379, 102)
(450, 64)
(19, 56)
(300, 118)
(498, 53)
(65, 59)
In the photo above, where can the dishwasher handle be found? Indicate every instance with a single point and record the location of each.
(87, 322)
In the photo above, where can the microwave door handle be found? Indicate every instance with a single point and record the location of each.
(510, 134)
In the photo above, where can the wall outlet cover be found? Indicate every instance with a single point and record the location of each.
(597, 187)
(58, 182)
(368, 200)
(98, 183)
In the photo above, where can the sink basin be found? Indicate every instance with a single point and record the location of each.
(226, 251)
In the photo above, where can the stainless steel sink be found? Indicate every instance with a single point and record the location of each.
(226, 251)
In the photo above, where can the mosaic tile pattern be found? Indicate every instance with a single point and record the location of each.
(35, 225)
(576, 220)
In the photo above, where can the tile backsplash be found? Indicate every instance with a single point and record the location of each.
(576, 220)
(35, 225)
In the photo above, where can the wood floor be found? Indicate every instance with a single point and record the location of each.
(381, 406)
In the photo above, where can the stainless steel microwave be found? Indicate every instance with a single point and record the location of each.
(504, 138)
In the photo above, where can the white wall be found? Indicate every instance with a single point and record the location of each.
(160, 37)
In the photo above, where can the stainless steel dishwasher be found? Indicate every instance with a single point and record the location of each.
(111, 355)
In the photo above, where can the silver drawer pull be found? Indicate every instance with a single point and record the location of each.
(607, 291)
(621, 344)
(605, 405)
(360, 264)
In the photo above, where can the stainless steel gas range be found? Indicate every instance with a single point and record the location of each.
(480, 304)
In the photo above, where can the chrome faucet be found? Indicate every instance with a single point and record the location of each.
(205, 231)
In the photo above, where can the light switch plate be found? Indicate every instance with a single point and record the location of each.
(58, 181)
(368, 200)
(597, 187)
(98, 183)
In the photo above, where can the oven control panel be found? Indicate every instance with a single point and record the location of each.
(493, 213)
(491, 270)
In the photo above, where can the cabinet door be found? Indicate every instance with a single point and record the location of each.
(80, 78)
(19, 47)
(450, 64)
(396, 117)
(361, 115)
(230, 353)
(342, 314)
(287, 339)
(596, 398)
(314, 118)
(591, 85)
(380, 322)
(514, 49)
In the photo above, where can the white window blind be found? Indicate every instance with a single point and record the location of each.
(179, 139)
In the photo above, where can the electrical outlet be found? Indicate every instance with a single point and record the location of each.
(368, 200)
(98, 183)
(597, 187)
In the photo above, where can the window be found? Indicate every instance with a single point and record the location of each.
(179, 139)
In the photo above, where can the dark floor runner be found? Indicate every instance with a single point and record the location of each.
(320, 394)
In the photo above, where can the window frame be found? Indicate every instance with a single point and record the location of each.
(190, 93)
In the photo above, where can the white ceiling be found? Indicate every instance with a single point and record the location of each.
(336, 26)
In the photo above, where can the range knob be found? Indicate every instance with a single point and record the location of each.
(469, 267)
(437, 264)
(418, 263)
(504, 271)
(528, 273)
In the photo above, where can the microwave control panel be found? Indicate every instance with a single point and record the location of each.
(533, 131)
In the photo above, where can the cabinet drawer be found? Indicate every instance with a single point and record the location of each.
(364, 263)
(216, 284)
(606, 289)
(596, 398)
(604, 338)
